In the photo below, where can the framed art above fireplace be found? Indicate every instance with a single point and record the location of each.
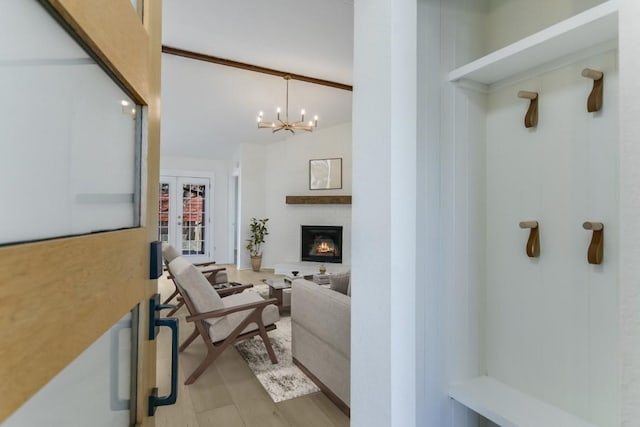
(325, 174)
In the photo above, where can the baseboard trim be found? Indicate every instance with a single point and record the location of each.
(331, 395)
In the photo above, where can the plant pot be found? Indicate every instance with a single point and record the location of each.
(256, 261)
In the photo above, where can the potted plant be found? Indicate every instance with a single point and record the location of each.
(254, 245)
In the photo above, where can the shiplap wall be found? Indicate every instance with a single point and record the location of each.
(551, 322)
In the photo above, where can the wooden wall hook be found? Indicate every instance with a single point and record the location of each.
(531, 117)
(533, 244)
(594, 253)
(594, 102)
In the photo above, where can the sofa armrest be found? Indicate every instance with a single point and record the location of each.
(323, 312)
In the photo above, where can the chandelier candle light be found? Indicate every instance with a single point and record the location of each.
(286, 124)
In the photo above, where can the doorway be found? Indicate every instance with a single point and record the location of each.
(184, 215)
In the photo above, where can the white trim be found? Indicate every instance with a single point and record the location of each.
(187, 173)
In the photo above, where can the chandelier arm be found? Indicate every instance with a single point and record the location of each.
(263, 125)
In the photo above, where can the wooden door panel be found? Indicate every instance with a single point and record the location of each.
(58, 296)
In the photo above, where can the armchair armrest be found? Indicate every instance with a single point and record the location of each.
(225, 311)
(197, 264)
(212, 270)
(204, 264)
(223, 292)
(204, 271)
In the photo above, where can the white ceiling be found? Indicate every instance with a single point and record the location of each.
(209, 109)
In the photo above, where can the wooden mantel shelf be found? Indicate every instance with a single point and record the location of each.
(318, 200)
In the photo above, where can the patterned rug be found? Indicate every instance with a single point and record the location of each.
(284, 380)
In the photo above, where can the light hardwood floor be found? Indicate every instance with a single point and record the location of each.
(227, 394)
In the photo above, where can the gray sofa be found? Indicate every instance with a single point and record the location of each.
(321, 338)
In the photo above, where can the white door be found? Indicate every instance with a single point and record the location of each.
(184, 215)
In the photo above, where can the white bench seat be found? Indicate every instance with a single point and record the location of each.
(509, 407)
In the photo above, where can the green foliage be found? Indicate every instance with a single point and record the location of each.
(258, 232)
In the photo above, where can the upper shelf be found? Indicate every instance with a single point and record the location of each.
(587, 29)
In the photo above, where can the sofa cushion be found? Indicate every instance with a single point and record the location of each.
(340, 282)
(324, 313)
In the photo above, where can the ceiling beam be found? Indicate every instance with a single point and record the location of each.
(250, 67)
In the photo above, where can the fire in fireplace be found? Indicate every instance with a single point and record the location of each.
(321, 243)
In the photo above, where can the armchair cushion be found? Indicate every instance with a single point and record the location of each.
(200, 291)
(169, 252)
(220, 330)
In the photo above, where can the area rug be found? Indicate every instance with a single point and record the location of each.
(284, 380)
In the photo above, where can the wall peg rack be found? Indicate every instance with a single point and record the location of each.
(531, 117)
(594, 102)
(533, 244)
(594, 253)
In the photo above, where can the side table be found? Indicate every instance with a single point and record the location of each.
(276, 288)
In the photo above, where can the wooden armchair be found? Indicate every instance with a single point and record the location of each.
(221, 322)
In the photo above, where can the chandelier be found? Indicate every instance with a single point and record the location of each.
(285, 124)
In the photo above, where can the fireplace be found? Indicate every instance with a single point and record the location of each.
(321, 243)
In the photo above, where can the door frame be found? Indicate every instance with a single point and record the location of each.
(62, 294)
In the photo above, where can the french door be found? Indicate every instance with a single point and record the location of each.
(184, 218)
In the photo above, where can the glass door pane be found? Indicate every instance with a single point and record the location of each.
(95, 389)
(73, 156)
(194, 217)
(163, 212)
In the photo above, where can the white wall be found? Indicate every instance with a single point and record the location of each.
(383, 310)
(509, 21)
(629, 292)
(222, 247)
(450, 205)
(251, 203)
(287, 174)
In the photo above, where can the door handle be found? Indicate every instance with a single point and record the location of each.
(155, 322)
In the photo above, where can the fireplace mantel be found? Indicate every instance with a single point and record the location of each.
(318, 200)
